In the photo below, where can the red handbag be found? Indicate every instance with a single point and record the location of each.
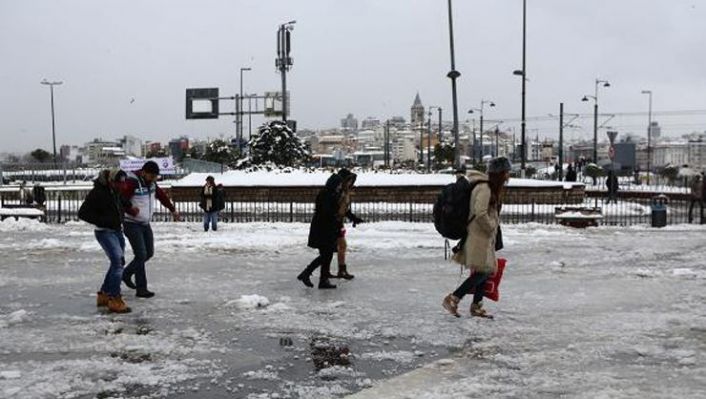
(492, 284)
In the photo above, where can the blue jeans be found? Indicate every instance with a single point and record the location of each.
(142, 243)
(476, 282)
(210, 218)
(113, 243)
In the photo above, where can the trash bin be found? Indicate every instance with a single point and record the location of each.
(659, 210)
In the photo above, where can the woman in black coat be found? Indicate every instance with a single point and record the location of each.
(323, 233)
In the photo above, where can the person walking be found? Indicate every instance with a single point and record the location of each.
(141, 189)
(212, 202)
(612, 186)
(104, 207)
(323, 233)
(344, 211)
(478, 251)
(697, 197)
(570, 174)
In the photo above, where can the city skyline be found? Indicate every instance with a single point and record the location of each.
(126, 68)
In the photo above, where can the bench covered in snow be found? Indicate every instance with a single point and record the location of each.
(20, 211)
(575, 216)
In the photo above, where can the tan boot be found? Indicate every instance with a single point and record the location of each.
(478, 311)
(117, 305)
(450, 303)
(101, 299)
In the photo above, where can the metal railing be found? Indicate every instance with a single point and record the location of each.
(62, 206)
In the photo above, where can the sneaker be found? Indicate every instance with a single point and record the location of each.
(450, 303)
(117, 305)
(127, 279)
(101, 299)
(478, 311)
(144, 294)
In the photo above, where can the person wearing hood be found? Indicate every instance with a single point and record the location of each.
(104, 207)
(348, 179)
(478, 251)
(324, 232)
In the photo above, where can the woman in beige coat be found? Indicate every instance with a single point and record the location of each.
(478, 251)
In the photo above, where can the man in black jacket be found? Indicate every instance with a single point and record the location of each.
(104, 208)
(212, 202)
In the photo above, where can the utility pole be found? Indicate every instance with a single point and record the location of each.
(649, 136)
(240, 111)
(284, 62)
(561, 141)
(53, 124)
(429, 144)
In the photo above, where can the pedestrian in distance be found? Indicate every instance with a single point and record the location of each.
(344, 212)
(697, 197)
(141, 189)
(104, 207)
(570, 174)
(477, 251)
(212, 202)
(324, 232)
(612, 186)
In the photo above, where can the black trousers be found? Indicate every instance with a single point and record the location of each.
(477, 282)
(691, 209)
(323, 260)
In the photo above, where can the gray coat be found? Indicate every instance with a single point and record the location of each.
(478, 253)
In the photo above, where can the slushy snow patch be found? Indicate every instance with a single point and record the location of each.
(250, 302)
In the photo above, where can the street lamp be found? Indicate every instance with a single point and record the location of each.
(453, 75)
(595, 116)
(649, 134)
(523, 73)
(53, 124)
(480, 110)
(240, 109)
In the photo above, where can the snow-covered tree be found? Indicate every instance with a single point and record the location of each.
(219, 151)
(277, 143)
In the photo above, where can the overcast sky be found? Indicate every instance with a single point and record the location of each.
(367, 57)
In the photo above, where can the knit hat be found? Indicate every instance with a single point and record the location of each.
(499, 165)
(151, 167)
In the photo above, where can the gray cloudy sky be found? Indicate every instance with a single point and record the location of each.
(361, 56)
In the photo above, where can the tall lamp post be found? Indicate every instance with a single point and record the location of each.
(605, 83)
(480, 110)
(649, 136)
(53, 124)
(453, 75)
(284, 62)
(523, 73)
(240, 110)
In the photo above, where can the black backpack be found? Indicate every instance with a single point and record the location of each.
(451, 209)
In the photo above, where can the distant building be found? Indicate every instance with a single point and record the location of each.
(94, 150)
(71, 153)
(670, 154)
(697, 152)
(178, 148)
(397, 121)
(626, 156)
(152, 147)
(132, 145)
(403, 149)
(417, 112)
(370, 123)
(349, 123)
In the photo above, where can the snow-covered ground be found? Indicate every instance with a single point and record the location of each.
(597, 313)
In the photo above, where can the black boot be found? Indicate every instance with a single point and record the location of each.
(324, 284)
(305, 277)
(144, 294)
(127, 279)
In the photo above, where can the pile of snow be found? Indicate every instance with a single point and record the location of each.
(250, 302)
(11, 225)
(13, 318)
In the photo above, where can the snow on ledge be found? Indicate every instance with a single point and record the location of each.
(290, 178)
